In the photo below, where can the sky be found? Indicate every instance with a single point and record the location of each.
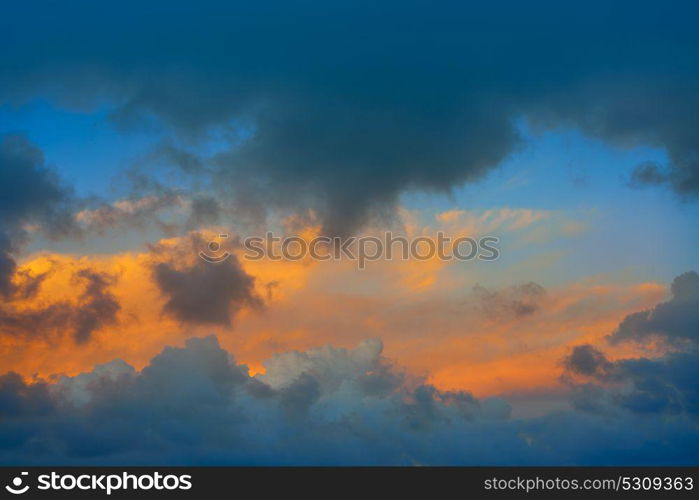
(131, 136)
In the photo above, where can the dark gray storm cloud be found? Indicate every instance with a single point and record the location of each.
(206, 292)
(30, 193)
(665, 385)
(196, 405)
(661, 385)
(18, 398)
(342, 106)
(589, 361)
(676, 320)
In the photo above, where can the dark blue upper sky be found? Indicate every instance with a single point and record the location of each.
(349, 108)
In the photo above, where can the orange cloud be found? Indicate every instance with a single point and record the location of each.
(428, 315)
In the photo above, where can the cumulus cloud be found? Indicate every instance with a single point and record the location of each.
(196, 405)
(19, 399)
(206, 292)
(676, 320)
(421, 98)
(660, 385)
(665, 385)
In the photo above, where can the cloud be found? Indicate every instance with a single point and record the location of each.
(203, 210)
(94, 308)
(130, 212)
(420, 99)
(99, 307)
(589, 361)
(30, 194)
(7, 267)
(676, 320)
(648, 173)
(18, 399)
(316, 304)
(32, 197)
(662, 385)
(665, 385)
(196, 405)
(516, 301)
(205, 292)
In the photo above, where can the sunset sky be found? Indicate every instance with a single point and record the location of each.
(132, 135)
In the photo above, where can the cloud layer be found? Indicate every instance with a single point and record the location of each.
(340, 108)
(197, 400)
(196, 405)
(659, 385)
